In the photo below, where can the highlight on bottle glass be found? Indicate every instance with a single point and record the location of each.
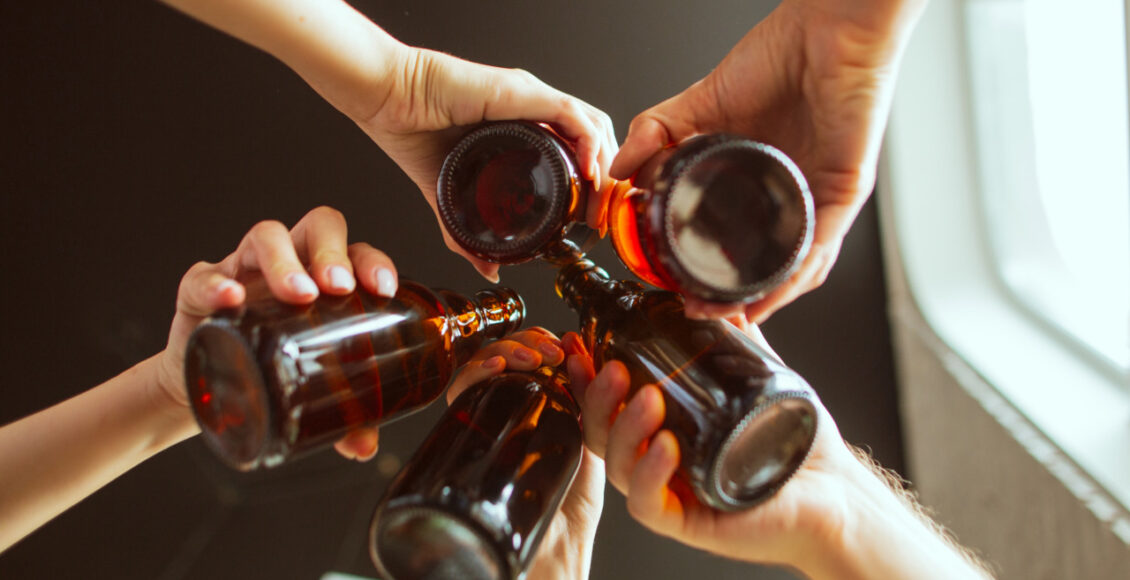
(270, 381)
(718, 217)
(743, 420)
(477, 497)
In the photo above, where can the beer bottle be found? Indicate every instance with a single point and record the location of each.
(743, 420)
(476, 499)
(268, 381)
(717, 217)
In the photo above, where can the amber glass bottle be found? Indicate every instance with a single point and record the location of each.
(475, 500)
(744, 421)
(718, 217)
(269, 381)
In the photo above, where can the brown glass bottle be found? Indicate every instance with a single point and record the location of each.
(475, 500)
(744, 421)
(718, 217)
(269, 381)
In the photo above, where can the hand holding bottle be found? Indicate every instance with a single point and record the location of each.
(566, 550)
(411, 101)
(814, 79)
(839, 516)
(297, 264)
(423, 116)
(68, 451)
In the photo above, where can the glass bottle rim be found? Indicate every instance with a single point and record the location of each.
(462, 533)
(675, 259)
(562, 188)
(722, 498)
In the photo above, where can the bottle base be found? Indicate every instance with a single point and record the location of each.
(415, 542)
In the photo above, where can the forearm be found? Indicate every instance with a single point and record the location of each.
(51, 460)
(342, 54)
(888, 535)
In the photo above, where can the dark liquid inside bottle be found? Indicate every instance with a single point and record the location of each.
(724, 219)
(718, 217)
(509, 191)
(270, 381)
(478, 495)
(744, 421)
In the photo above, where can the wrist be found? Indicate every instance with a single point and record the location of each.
(884, 534)
(161, 393)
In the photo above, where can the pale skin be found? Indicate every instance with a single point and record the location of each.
(815, 79)
(68, 451)
(838, 517)
(413, 102)
(566, 550)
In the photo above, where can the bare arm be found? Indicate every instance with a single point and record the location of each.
(51, 460)
(414, 103)
(54, 458)
(839, 516)
(343, 55)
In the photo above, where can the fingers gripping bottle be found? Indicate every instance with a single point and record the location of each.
(718, 217)
(476, 499)
(743, 420)
(269, 381)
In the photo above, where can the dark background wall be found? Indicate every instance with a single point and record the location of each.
(136, 142)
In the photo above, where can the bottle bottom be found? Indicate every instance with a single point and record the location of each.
(763, 452)
(227, 395)
(414, 542)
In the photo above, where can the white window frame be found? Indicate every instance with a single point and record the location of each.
(929, 171)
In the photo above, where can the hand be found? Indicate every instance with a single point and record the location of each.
(839, 516)
(414, 103)
(815, 79)
(641, 460)
(310, 258)
(566, 549)
(435, 97)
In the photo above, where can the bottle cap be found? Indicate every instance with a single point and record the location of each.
(419, 542)
(505, 191)
(227, 394)
(738, 218)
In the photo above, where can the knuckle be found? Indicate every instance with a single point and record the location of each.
(635, 508)
(524, 75)
(327, 212)
(265, 228)
(192, 274)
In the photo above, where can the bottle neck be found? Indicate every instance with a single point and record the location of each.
(584, 286)
(491, 314)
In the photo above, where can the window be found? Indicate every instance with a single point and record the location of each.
(1005, 185)
(1049, 103)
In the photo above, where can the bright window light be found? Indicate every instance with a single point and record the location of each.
(1049, 91)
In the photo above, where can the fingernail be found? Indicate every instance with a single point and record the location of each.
(524, 354)
(550, 349)
(302, 284)
(341, 279)
(494, 362)
(225, 285)
(386, 283)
